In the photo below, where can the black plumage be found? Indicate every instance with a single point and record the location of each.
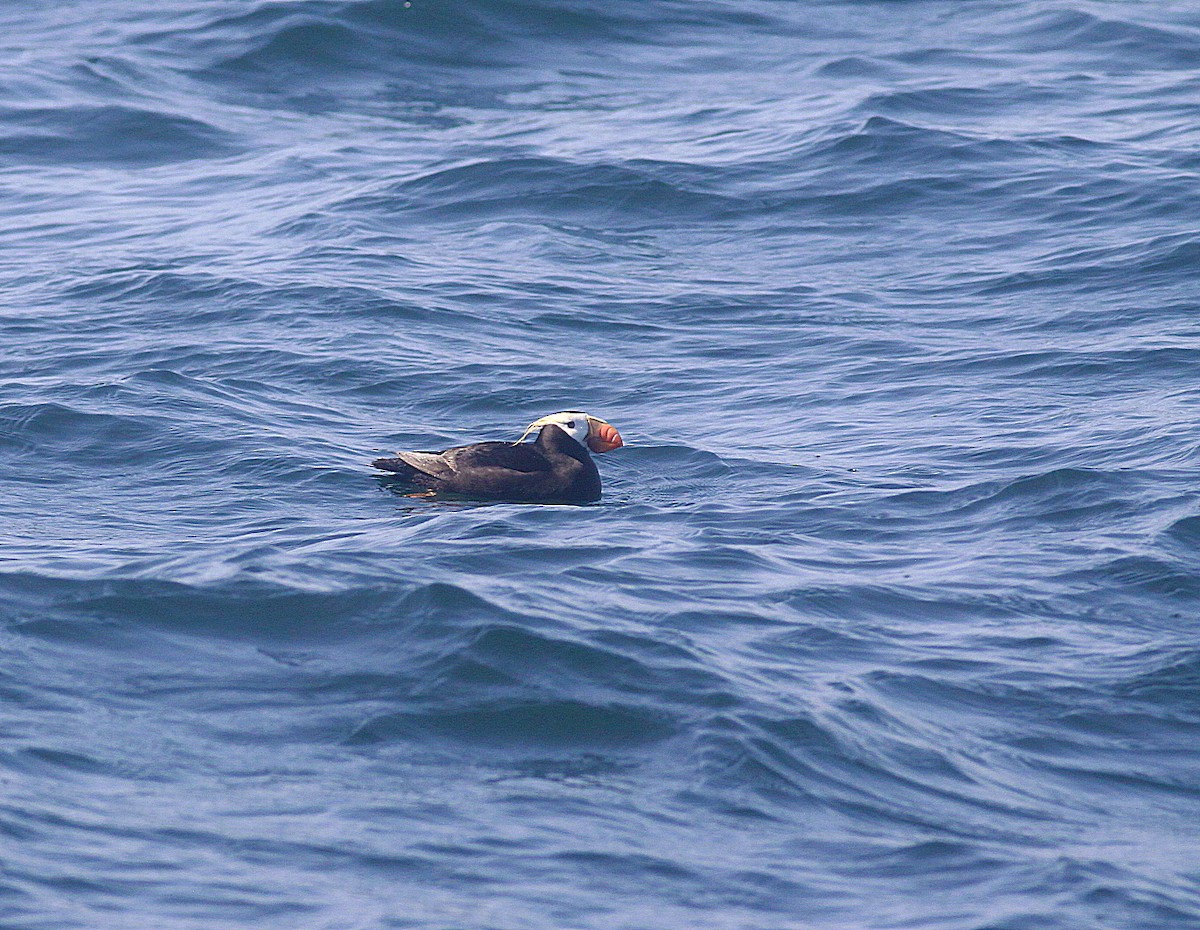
(553, 469)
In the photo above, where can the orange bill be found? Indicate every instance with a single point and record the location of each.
(602, 437)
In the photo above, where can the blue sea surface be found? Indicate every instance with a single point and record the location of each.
(888, 617)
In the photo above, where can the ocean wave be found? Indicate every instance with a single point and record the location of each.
(279, 48)
(885, 616)
(1171, 683)
(1084, 32)
(50, 429)
(108, 135)
(1153, 260)
(531, 726)
(545, 188)
(1163, 578)
(1063, 494)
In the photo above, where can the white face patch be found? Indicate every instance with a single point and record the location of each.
(572, 422)
(574, 425)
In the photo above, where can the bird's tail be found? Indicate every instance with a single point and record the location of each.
(397, 465)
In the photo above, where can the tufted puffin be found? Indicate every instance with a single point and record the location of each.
(555, 468)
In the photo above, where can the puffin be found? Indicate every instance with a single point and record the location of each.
(553, 469)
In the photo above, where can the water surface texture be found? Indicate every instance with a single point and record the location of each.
(888, 617)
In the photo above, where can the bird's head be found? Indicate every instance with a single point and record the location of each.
(593, 432)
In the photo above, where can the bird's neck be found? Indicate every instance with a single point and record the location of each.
(555, 439)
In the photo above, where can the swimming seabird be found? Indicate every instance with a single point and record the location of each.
(554, 468)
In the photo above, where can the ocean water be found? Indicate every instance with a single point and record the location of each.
(888, 616)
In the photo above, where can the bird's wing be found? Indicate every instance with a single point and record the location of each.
(510, 456)
(494, 457)
(430, 463)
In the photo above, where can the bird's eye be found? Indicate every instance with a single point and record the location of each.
(570, 424)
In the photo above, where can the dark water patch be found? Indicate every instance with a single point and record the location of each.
(61, 433)
(948, 859)
(1088, 271)
(1186, 530)
(108, 135)
(574, 21)
(627, 865)
(1143, 574)
(672, 462)
(540, 660)
(1126, 44)
(815, 642)
(1173, 685)
(525, 727)
(881, 142)
(888, 197)
(1070, 496)
(302, 45)
(1108, 781)
(854, 66)
(941, 102)
(544, 187)
(961, 695)
(298, 50)
(816, 765)
(139, 283)
(872, 599)
(50, 761)
(239, 609)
